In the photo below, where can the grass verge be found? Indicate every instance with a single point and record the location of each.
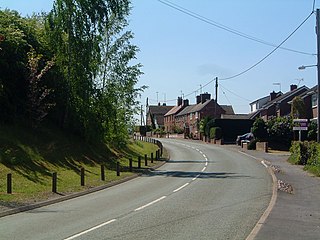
(32, 156)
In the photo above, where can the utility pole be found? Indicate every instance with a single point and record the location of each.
(216, 100)
(141, 115)
(318, 69)
(217, 90)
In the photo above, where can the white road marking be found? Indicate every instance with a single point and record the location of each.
(206, 163)
(263, 163)
(91, 229)
(195, 177)
(149, 204)
(203, 169)
(183, 186)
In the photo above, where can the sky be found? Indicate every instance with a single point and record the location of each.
(182, 54)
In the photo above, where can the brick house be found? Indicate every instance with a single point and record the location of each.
(169, 117)
(189, 118)
(155, 115)
(310, 98)
(278, 105)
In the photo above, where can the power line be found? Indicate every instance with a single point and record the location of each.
(234, 93)
(226, 28)
(269, 54)
(253, 66)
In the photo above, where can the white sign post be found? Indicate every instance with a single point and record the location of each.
(300, 125)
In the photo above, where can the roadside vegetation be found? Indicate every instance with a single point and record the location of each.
(307, 154)
(68, 90)
(32, 156)
(279, 134)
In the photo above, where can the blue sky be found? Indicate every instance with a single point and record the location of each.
(179, 52)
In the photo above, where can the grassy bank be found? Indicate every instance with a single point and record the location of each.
(33, 155)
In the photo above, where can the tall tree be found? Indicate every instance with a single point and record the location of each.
(94, 56)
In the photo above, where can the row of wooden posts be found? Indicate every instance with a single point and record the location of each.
(102, 175)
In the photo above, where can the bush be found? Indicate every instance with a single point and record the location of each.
(259, 130)
(215, 133)
(280, 131)
(210, 124)
(252, 144)
(306, 153)
(312, 131)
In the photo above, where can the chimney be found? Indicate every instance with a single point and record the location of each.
(186, 102)
(204, 97)
(293, 87)
(198, 99)
(273, 95)
(179, 102)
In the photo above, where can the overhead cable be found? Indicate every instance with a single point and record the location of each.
(226, 28)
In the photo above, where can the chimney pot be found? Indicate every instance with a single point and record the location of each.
(273, 95)
(293, 87)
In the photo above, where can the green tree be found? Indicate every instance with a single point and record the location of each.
(37, 105)
(280, 130)
(259, 130)
(93, 54)
(298, 108)
(18, 36)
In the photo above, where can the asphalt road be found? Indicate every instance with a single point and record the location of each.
(203, 192)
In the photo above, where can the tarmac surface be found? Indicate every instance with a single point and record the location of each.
(296, 212)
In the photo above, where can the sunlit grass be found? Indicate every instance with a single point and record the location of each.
(31, 157)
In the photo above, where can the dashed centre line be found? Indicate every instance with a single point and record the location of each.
(90, 229)
(149, 204)
(183, 186)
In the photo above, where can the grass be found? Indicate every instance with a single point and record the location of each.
(33, 155)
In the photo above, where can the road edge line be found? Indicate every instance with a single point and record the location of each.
(272, 202)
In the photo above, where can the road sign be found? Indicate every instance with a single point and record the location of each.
(300, 124)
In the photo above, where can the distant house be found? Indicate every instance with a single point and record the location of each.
(190, 116)
(257, 104)
(310, 99)
(278, 105)
(155, 115)
(169, 117)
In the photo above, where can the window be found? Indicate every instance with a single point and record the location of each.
(314, 100)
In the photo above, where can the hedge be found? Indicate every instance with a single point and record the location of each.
(307, 154)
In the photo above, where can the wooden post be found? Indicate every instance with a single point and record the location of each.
(130, 164)
(9, 183)
(54, 182)
(82, 176)
(139, 162)
(103, 177)
(118, 169)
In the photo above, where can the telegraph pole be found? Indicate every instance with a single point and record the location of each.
(216, 100)
(318, 69)
(217, 90)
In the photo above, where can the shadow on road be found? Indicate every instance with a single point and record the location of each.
(182, 174)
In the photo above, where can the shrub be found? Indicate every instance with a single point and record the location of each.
(280, 130)
(215, 133)
(259, 130)
(252, 144)
(312, 131)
